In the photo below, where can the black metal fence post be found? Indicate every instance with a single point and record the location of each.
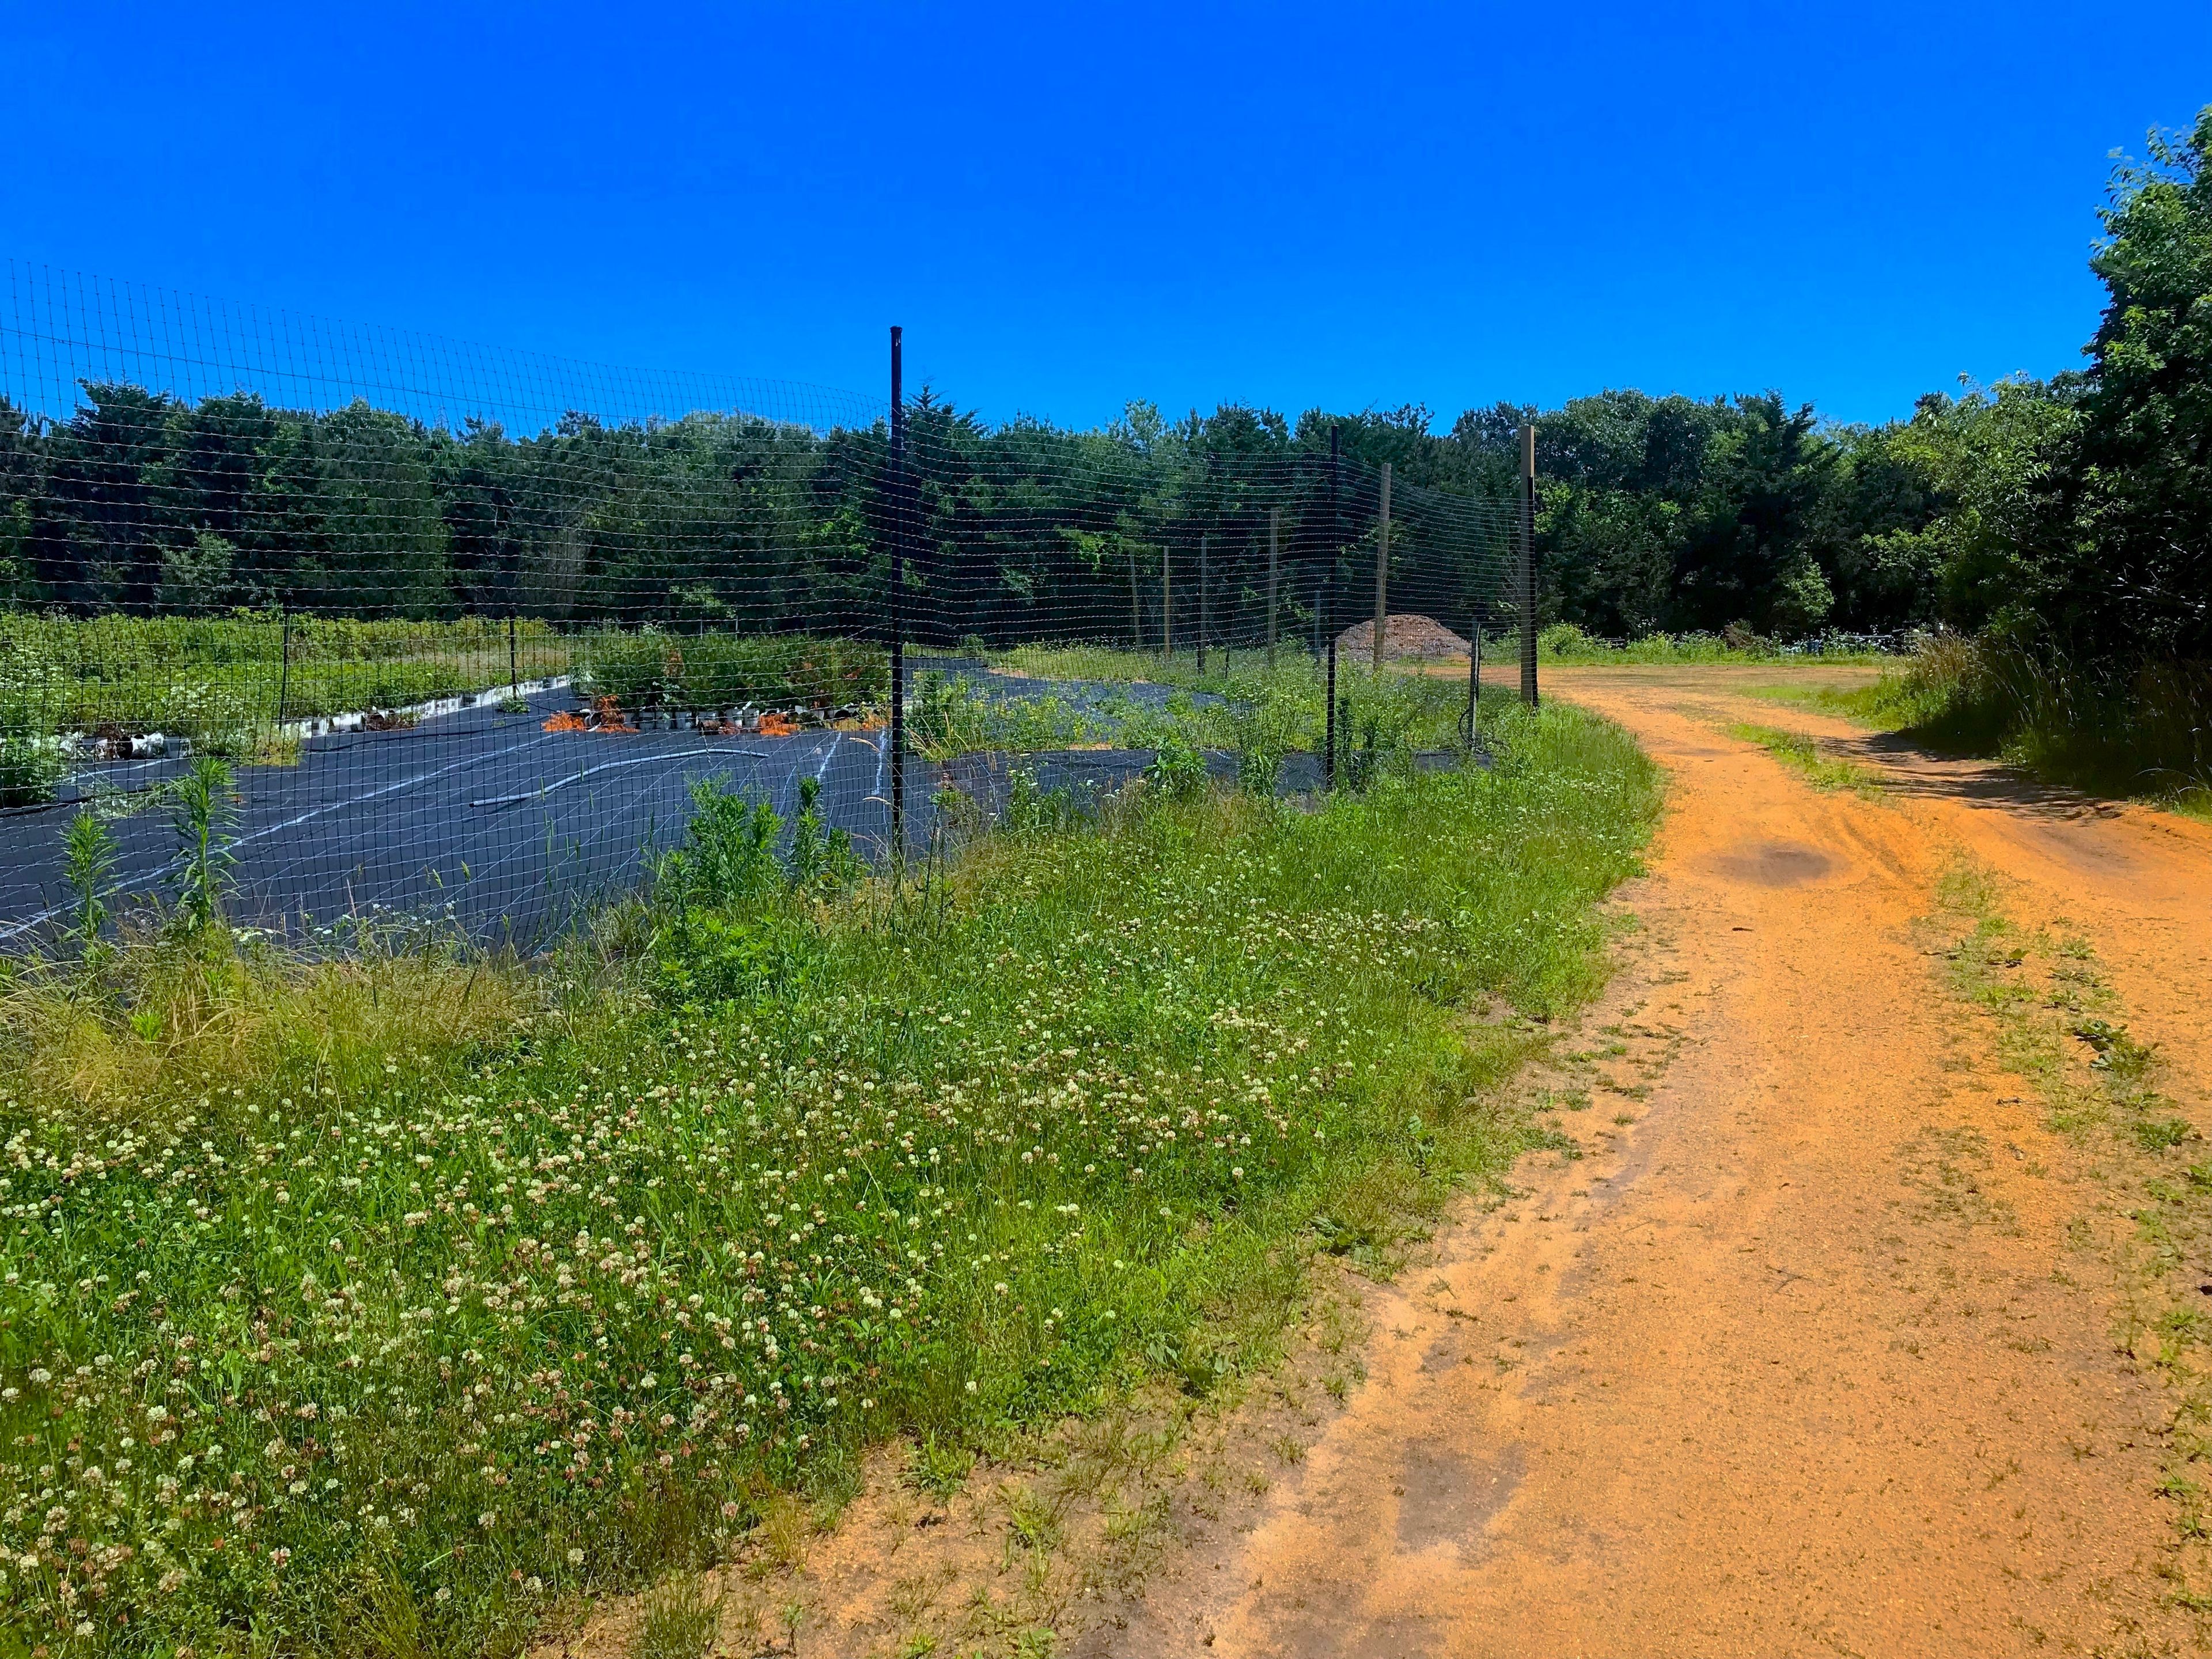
(897, 736)
(1274, 552)
(1328, 624)
(283, 664)
(1382, 571)
(1474, 683)
(1167, 608)
(1204, 548)
(1526, 596)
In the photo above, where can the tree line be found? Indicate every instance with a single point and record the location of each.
(2076, 512)
(139, 501)
(2071, 517)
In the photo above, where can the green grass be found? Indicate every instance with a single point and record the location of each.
(716, 671)
(2151, 741)
(1266, 710)
(382, 1304)
(218, 679)
(1801, 755)
(2051, 1007)
(1565, 642)
(679, 1620)
(1889, 703)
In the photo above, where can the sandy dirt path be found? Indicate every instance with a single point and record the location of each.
(1798, 1359)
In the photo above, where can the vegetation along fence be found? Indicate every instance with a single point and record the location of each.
(324, 622)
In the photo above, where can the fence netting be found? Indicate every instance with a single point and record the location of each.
(469, 631)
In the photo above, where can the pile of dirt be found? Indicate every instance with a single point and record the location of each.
(1407, 637)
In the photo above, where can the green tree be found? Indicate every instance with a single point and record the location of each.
(2125, 570)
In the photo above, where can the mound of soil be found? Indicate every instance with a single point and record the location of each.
(1407, 637)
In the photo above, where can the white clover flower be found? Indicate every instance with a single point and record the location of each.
(575, 1558)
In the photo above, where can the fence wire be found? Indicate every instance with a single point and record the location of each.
(467, 628)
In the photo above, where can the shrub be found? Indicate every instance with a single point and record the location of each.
(30, 769)
(2149, 733)
(652, 668)
(1178, 768)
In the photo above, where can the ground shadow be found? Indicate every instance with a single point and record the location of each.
(1914, 768)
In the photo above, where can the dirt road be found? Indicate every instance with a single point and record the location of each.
(1799, 1358)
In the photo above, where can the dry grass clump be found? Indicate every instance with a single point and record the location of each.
(166, 1012)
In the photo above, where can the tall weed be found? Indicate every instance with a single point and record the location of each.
(2150, 736)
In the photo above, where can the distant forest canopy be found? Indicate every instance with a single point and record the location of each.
(1655, 513)
(2074, 513)
(139, 501)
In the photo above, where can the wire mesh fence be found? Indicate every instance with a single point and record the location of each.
(469, 630)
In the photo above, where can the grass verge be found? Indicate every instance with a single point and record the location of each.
(1565, 642)
(337, 1317)
(2150, 741)
(2059, 1025)
(1801, 755)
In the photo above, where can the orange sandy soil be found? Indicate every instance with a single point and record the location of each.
(1815, 1348)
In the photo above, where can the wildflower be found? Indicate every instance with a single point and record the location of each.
(575, 1558)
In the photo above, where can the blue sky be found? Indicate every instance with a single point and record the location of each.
(1069, 208)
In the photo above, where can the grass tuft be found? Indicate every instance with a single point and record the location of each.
(1801, 755)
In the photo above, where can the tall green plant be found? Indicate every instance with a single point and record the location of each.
(822, 859)
(729, 853)
(89, 853)
(205, 804)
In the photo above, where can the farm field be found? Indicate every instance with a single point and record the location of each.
(192, 676)
(426, 1296)
(244, 685)
(508, 822)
